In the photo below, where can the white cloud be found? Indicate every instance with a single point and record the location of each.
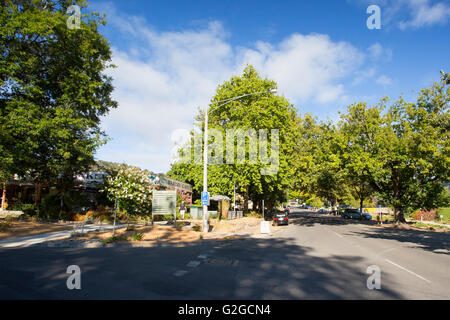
(384, 80)
(410, 13)
(377, 51)
(424, 13)
(163, 77)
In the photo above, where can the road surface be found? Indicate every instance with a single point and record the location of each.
(315, 257)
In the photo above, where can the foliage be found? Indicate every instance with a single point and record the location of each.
(53, 90)
(26, 208)
(445, 212)
(137, 236)
(113, 239)
(405, 151)
(428, 215)
(4, 225)
(265, 111)
(398, 154)
(133, 189)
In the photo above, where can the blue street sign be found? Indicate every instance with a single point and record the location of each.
(205, 198)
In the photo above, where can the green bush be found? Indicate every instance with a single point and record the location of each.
(165, 217)
(137, 236)
(4, 225)
(27, 208)
(51, 205)
(11, 218)
(114, 239)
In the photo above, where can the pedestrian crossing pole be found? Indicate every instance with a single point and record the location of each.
(115, 216)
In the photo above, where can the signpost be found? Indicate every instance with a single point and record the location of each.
(205, 198)
(265, 225)
(205, 202)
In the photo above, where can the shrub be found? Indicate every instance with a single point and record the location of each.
(132, 187)
(426, 215)
(115, 239)
(27, 208)
(179, 226)
(11, 218)
(77, 234)
(197, 228)
(137, 236)
(4, 225)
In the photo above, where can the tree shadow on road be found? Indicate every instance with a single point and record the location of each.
(272, 268)
(437, 242)
(311, 219)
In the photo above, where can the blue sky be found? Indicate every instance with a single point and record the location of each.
(171, 55)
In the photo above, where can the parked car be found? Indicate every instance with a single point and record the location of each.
(355, 214)
(323, 210)
(281, 218)
(288, 210)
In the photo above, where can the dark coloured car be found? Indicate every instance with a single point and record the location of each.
(281, 218)
(355, 214)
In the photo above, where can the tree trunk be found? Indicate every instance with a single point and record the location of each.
(3, 197)
(37, 194)
(246, 200)
(361, 202)
(398, 215)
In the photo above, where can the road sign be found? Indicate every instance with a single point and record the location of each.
(205, 198)
(164, 202)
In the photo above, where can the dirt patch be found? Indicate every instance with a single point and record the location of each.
(149, 234)
(249, 225)
(17, 229)
(406, 226)
(158, 233)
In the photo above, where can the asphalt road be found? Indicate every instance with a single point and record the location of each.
(315, 257)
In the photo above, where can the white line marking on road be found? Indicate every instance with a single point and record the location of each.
(403, 268)
(386, 251)
(338, 235)
(203, 256)
(193, 264)
(180, 273)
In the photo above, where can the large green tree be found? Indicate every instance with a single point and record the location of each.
(53, 89)
(317, 160)
(404, 149)
(254, 112)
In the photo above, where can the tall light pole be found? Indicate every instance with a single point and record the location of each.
(205, 147)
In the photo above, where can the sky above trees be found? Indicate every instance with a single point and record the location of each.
(172, 55)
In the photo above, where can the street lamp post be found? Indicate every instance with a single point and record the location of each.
(205, 147)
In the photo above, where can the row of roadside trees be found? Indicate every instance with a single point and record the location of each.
(398, 152)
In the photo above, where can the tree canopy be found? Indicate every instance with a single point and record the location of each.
(53, 89)
(254, 112)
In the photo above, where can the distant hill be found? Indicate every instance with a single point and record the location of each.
(108, 166)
